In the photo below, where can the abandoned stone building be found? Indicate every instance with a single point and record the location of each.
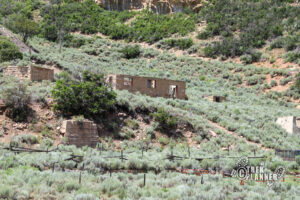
(80, 133)
(291, 124)
(154, 87)
(33, 73)
(215, 98)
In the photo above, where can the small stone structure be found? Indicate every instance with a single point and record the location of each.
(290, 124)
(80, 133)
(154, 87)
(32, 73)
(2, 107)
(216, 98)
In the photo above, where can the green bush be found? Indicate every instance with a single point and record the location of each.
(163, 140)
(90, 96)
(89, 17)
(25, 138)
(166, 122)
(298, 160)
(17, 100)
(255, 22)
(8, 50)
(182, 44)
(130, 52)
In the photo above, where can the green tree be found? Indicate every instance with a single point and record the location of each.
(57, 24)
(167, 123)
(26, 28)
(298, 160)
(17, 99)
(90, 96)
(8, 50)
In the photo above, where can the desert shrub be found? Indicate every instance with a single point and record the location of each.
(6, 192)
(131, 51)
(150, 132)
(71, 185)
(90, 96)
(183, 43)
(251, 56)
(298, 160)
(166, 122)
(253, 80)
(25, 138)
(17, 100)
(8, 50)
(203, 35)
(85, 197)
(273, 83)
(163, 140)
(284, 81)
(293, 56)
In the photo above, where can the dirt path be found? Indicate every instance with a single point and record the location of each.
(12, 37)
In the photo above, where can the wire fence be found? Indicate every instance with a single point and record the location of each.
(122, 155)
(289, 155)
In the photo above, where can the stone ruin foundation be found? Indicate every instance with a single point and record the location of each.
(216, 98)
(80, 133)
(32, 73)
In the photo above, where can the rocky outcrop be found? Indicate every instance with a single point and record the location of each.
(157, 6)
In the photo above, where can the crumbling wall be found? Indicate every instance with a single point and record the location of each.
(80, 133)
(140, 84)
(215, 98)
(40, 73)
(19, 72)
(32, 73)
(289, 124)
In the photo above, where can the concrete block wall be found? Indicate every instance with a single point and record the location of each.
(80, 134)
(289, 124)
(19, 72)
(40, 73)
(140, 84)
(32, 73)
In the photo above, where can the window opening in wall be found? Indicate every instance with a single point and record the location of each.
(128, 81)
(151, 83)
(173, 91)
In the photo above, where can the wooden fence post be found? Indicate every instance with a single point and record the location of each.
(80, 177)
(228, 149)
(122, 155)
(53, 167)
(144, 180)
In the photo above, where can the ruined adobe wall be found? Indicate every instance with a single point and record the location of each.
(33, 73)
(80, 133)
(162, 88)
(19, 72)
(39, 74)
